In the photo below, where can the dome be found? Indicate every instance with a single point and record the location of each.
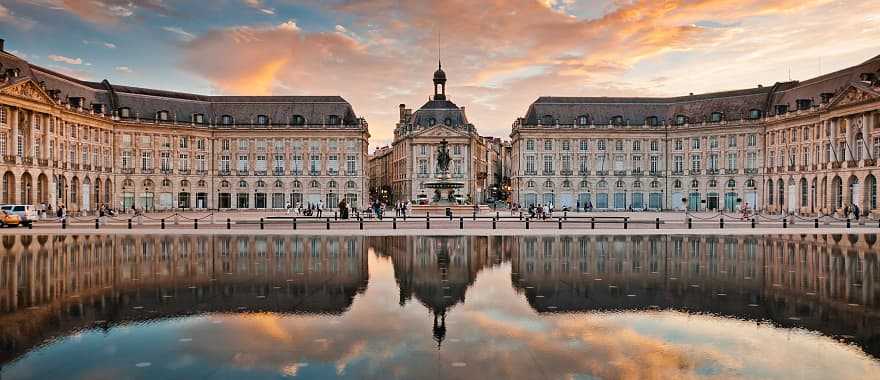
(439, 75)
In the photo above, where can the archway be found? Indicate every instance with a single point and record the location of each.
(813, 196)
(108, 193)
(770, 192)
(73, 195)
(8, 188)
(27, 189)
(805, 194)
(42, 189)
(853, 191)
(781, 189)
(836, 193)
(98, 190)
(824, 196)
(870, 198)
(86, 203)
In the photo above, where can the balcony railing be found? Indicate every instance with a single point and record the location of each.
(108, 169)
(835, 165)
(584, 172)
(565, 172)
(278, 171)
(74, 166)
(98, 169)
(870, 162)
(223, 172)
(619, 172)
(258, 173)
(201, 172)
(147, 171)
(332, 172)
(183, 171)
(166, 171)
(751, 171)
(678, 172)
(731, 171)
(852, 164)
(314, 173)
(601, 173)
(351, 172)
(127, 170)
(422, 175)
(712, 171)
(42, 162)
(27, 161)
(530, 172)
(296, 172)
(694, 172)
(9, 159)
(548, 172)
(242, 172)
(637, 172)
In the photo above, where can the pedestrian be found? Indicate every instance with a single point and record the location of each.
(856, 211)
(319, 208)
(287, 206)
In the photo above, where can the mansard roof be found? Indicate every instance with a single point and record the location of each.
(145, 103)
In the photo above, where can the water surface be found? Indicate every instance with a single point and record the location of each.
(102, 306)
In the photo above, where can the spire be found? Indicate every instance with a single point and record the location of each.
(439, 75)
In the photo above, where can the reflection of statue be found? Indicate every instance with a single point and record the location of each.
(443, 157)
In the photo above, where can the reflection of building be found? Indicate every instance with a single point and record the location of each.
(412, 158)
(819, 279)
(82, 144)
(803, 146)
(76, 281)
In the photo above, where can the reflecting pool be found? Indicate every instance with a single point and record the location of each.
(555, 307)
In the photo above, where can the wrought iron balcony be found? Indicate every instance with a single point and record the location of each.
(9, 159)
(694, 171)
(637, 172)
(127, 170)
(548, 172)
(713, 171)
(147, 171)
(678, 172)
(242, 172)
(530, 172)
(351, 172)
(201, 172)
(183, 171)
(870, 162)
(731, 171)
(751, 171)
(332, 172)
(296, 172)
(166, 171)
(852, 164)
(278, 171)
(223, 172)
(565, 172)
(601, 173)
(314, 172)
(259, 173)
(584, 172)
(27, 161)
(620, 172)
(43, 162)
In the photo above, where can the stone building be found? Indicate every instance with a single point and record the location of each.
(84, 144)
(413, 154)
(814, 139)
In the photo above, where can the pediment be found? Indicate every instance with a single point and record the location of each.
(29, 90)
(854, 94)
(440, 131)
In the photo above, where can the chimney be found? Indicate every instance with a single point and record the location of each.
(1, 44)
(402, 112)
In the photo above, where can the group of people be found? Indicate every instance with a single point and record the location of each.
(542, 211)
(316, 209)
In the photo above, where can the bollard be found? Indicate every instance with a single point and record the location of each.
(450, 216)
(625, 222)
(404, 217)
(560, 223)
(816, 223)
(162, 222)
(493, 224)
(784, 223)
(497, 215)
(360, 223)
(64, 224)
(657, 223)
(195, 224)
(328, 223)
(753, 222)
(129, 224)
(31, 225)
(228, 224)
(592, 223)
(394, 223)
(847, 223)
(475, 216)
(335, 215)
(690, 223)
(527, 223)
(461, 223)
(427, 222)
(261, 223)
(294, 223)
(721, 223)
(520, 215)
(565, 215)
(97, 226)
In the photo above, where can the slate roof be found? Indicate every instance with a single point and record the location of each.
(145, 103)
(734, 105)
(439, 110)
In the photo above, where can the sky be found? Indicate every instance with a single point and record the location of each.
(499, 55)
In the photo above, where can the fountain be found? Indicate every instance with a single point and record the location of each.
(443, 183)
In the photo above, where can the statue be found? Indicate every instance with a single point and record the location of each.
(443, 157)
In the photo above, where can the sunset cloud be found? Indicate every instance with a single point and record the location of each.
(67, 60)
(107, 12)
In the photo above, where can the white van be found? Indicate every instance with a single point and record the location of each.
(27, 213)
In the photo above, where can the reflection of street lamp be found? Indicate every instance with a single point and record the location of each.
(813, 203)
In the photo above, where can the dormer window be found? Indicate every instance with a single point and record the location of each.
(162, 115)
(226, 120)
(583, 120)
(680, 119)
(125, 112)
(547, 120)
(617, 120)
(198, 118)
(431, 122)
(333, 120)
(826, 97)
(298, 120)
(98, 108)
(715, 117)
(754, 114)
(781, 109)
(262, 120)
(448, 121)
(804, 104)
(652, 121)
(76, 102)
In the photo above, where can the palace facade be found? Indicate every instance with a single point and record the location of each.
(83, 144)
(805, 147)
(411, 160)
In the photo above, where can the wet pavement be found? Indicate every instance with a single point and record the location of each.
(439, 307)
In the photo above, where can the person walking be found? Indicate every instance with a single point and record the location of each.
(288, 207)
(856, 212)
(319, 208)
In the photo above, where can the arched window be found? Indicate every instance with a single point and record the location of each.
(184, 183)
(350, 185)
(750, 183)
(530, 184)
(224, 184)
(619, 184)
(166, 182)
(298, 120)
(226, 120)
(333, 120)
(128, 183)
(680, 119)
(695, 183)
(676, 184)
(583, 120)
(201, 183)
(566, 184)
(148, 183)
(331, 184)
(315, 185)
(125, 112)
(602, 184)
(585, 184)
(655, 184)
(296, 185)
(715, 117)
(261, 183)
(162, 115)
(278, 183)
(712, 183)
(731, 183)
(262, 119)
(242, 183)
(548, 183)
(637, 185)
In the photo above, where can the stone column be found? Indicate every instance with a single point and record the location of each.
(13, 141)
(849, 137)
(832, 125)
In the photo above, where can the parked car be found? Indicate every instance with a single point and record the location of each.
(26, 213)
(8, 219)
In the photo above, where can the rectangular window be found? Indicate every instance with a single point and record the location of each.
(637, 146)
(548, 144)
(713, 142)
(261, 163)
(678, 164)
(530, 165)
(224, 144)
(731, 141)
(423, 149)
(19, 146)
(654, 162)
(456, 149)
(423, 166)
(585, 144)
(695, 143)
(243, 144)
(530, 145)
(752, 140)
(314, 163)
(126, 159)
(713, 161)
(165, 161)
(566, 145)
(200, 144)
(333, 164)
(351, 164)
(601, 144)
(585, 164)
(677, 145)
(655, 145)
(200, 162)
(279, 162)
(224, 163)
(751, 160)
(184, 161)
(242, 163)
(566, 163)
(146, 160)
(184, 142)
(548, 164)
(731, 161)
(296, 163)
